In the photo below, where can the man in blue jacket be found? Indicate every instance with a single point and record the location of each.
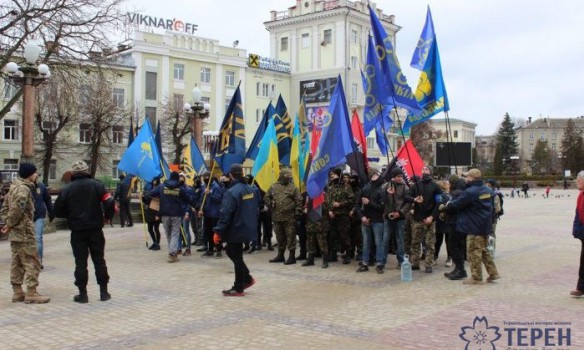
(173, 199)
(209, 205)
(42, 207)
(237, 224)
(475, 219)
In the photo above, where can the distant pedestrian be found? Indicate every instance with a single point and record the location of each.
(123, 196)
(578, 232)
(547, 191)
(17, 213)
(525, 188)
(152, 215)
(42, 207)
(80, 202)
(237, 225)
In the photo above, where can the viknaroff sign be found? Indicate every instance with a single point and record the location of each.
(174, 25)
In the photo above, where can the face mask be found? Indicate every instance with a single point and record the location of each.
(284, 180)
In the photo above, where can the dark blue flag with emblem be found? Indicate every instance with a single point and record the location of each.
(163, 164)
(335, 143)
(254, 147)
(283, 125)
(231, 141)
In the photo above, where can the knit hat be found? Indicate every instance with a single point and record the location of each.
(429, 168)
(492, 182)
(26, 170)
(79, 167)
(453, 179)
(373, 171)
(285, 172)
(336, 171)
(474, 173)
(236, 170)
(396, 172)
(174, 176)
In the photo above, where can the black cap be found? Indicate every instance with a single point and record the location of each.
(174, 176)
(26, 170)
(236, 170)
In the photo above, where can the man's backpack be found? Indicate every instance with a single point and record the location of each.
(499, 214)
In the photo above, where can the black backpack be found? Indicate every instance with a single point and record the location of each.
(499, 214)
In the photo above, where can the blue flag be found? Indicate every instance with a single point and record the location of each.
(283, 125)
(131, 133)
(142, 158)
(335, 143)
(163, 164)
(231, 141)
(254, 147)
(401, 95)
(431, 92)
(197, 160)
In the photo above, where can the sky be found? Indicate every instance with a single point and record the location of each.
(521, 57)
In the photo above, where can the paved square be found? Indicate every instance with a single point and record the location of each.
(156, 305)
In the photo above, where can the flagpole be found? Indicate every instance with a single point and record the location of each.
(449, 134)
(386, 141)
(143, 219)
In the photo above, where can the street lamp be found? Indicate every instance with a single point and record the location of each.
(28, 75)
(198, 111)
(514, 161)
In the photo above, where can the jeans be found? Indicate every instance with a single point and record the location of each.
(381, 241)
(185, 234)
(171, 226)
(396, 228)
(39, 229)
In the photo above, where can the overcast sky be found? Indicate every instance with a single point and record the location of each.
(521, 56)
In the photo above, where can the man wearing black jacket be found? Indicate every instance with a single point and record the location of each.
(80, 202)
(122, 195)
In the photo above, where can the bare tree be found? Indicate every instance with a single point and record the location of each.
(422, 135)
(71, 31)
(174, 127)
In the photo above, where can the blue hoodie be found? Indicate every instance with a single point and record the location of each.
(173, 198)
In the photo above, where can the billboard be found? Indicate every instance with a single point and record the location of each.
(317, 90)
(453, 154)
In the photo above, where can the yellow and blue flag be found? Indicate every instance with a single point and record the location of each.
(431, 92)
(163, 164)
(192, 162)
(399, 92)
(283, 125)
(254, 147)
(266, 168)
(299, 157)
(334, 145)
(231, 142)
(142, 158)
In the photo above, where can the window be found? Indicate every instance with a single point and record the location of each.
(53, 170)
(9, 90)
(305, 43)
(554, 135)
(84, 133)
(10, 164)
(327, 36)
(531, 146)
(49, 127)
(115, 172)
(455, 134)
(118, 96)
(553, 146)
(229, 78)
(542, 136)
(265, 90)
(531, 135)
(274, 89)
(354, 36)
(85, 94)
(150, 114)
(206, 75)
(258, 88)
(117, 134)
(354, 62)
(151, 86)
(258, 116)
(370, 142)
(284, 44)
(354, 93)
(11, 130)
(178, 100)
(179, 71)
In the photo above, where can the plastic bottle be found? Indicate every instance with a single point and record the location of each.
(491, 245)
(406, 269)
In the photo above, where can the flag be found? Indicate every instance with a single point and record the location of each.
(130, 179)
(142, 158)
(163, 164)
(231, 140)
(357, 160)
(409, 160)
(254, 147)
(303, 121)
(315, 211)
(283, 125)
(399, 92)
(336, 142)
(298, 157)
(131, 133)
(192, 162)
(431, 92)
(266, 168)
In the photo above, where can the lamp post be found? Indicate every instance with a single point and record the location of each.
(514, 161)
(28, 75)
(198, 111)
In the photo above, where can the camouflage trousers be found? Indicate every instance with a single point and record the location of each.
(340, 233)
(285, 234)
(477, 253)
(25, 266)
(316, 233)
(426, 233)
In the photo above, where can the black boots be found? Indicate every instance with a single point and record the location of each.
(333, 256)
(291, 258)
(103, 294)
(458, 275)
(279, 258)
(309, 260)
(82, 296)
(324, 261)
(302, 255)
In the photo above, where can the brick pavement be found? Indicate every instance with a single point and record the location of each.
(156, 305)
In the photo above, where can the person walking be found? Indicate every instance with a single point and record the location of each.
(42, 207)
(80, 202)
(17, 214)
(123, 196)
(475, 218)
(152, 215)
(237, 225)
(578, 232)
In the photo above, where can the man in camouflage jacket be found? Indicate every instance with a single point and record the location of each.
(340, 199)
